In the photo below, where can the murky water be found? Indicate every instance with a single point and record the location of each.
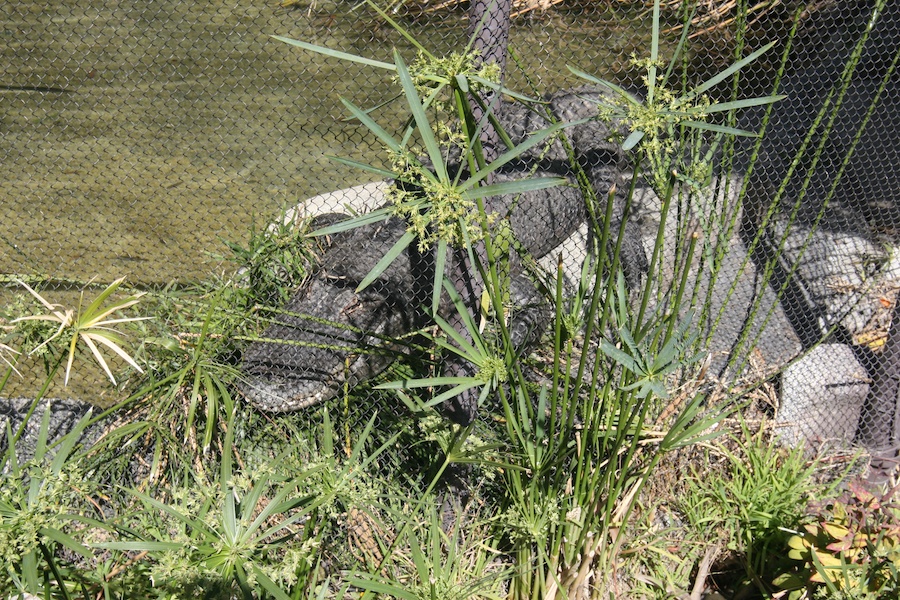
(136, 137)
(152, 131)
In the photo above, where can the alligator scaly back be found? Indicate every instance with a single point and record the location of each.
(330, 336)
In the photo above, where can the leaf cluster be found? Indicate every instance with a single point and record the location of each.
(89, 325)
(660, 121)
(41, 506)
(750, 496)
(850, 550)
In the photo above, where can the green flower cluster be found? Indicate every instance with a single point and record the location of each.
(659, 118)
(30, 507)
(438, 210)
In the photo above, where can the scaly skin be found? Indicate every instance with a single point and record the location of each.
(330, 336)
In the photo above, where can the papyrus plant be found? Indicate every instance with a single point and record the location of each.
(93, 325)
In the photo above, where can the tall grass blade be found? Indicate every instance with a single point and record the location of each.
(722, 76)
(519, 186)
(396, 250)
(422, 124)
(336, 53)
(386, 138)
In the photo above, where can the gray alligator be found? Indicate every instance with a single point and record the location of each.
(329, 336)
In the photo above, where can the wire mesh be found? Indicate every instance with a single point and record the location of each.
(137, 137)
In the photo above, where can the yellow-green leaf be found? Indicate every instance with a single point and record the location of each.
(836, 531)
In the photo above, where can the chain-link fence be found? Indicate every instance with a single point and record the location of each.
(137, 137)
(836, 270)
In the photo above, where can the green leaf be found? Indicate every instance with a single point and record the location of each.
(407, 384)
(375, 216)
(654, 53)
(789, 581)
(250, 501)
(736, 104)
(68, 441)
(403, 32)
(230, 524)
(422, 567)
(386, 260)
(687, 430)
(280, 505)
(30, 571)
(386, 138)
(500, 88)
(139, 546)
(518, 186)
(418, 111)
(66, 541)
(456, 391)
(620, 91)
(94, 306)
(379, 587)
(336, 53)
(681, 46)
(464, 314)
(715, 80)
(384, 173)
(704, 126)
(440, 263)
(212, 403)
(533, 140)
(628, 340)
(169, 510)
(43, 432)
(617, 355)
(267, 584)
(463, 348)
(307, 503)
(632, 140)
(435, 94)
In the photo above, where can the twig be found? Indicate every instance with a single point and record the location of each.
(138, 557)
(703, 572)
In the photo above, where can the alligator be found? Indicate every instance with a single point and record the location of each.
(330, 336)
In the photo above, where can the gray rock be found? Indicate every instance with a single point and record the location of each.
(834, 173)
(822, 394)
(740, 320)
(838, 273)
(747, 324)
(64, 415)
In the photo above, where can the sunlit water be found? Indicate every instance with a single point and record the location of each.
(136, 137)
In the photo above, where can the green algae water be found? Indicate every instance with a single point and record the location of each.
(136, 137)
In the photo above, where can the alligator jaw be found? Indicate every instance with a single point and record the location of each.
(284, 394)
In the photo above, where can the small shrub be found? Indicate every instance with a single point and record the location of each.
(40, 502)
(89, 324)
(762, 491)
(273, 263)
(851, 550)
